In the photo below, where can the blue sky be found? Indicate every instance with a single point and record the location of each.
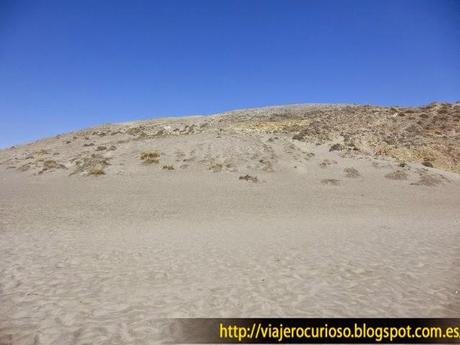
(65, 65)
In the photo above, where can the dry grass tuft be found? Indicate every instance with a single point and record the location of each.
(92, 165)
(249, 178)
(216, 167)
(337, 147)
(24, 167)
(265, 165)
(351, 173)
(149, 157)
(397, 175)
(326, 162)
(429, 180)
(97, 170)
(330, 181)
(49, 165)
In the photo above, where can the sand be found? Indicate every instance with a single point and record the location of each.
(99, 259)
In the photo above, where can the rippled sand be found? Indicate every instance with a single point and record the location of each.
(89, 260)
(98, 244)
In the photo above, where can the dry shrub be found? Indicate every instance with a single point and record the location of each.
(351, 173)
(265, 165)
(337, 147)
(24, 167)
(149, 157)
(397, 175)
(97, 170)
(216, 167)
(326, 162)
(51, 165)
(330, 181)
(168, 167)
(249, 178)
(429, 180)
(43, 152)
(298, 136)
(93, 165)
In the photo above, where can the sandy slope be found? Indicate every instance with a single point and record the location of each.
(98, 259)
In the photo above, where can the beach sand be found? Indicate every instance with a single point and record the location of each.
(240, 225)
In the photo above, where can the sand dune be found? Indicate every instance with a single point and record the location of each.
(307, 210)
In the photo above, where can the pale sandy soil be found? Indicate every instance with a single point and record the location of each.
(99, 259)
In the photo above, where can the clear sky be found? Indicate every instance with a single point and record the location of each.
(65, 65)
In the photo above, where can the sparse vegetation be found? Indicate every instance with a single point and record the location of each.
(149, 157)
(24, 167)
(265, 165)
(397, 175)
(97, 170)
(337, 147)
(92, 165)
(427, 135)
(326, 162)
(351, 173)
(249, 178)
(330, 181)
(49, 165)
(216, 167)
(429, 180)
(371, 130)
